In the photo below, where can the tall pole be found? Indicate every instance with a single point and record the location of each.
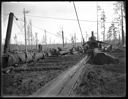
(104, 31)
(8, 34)
(103, 24)
(31, 33)
(97, 22)
(75, 38)
(36, 40)
(122, 24)
(45, 37)
(25, 30)
(63, 37)
(86, 36)
(119, 38)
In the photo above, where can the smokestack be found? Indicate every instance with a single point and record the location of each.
(92, 33)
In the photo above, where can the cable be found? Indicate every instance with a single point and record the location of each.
(78, 21)
(42, 29)
(49, 32)
(62, 18)
(20, 28)
(17, 26)
(55, 35)
(17, 19)
(46, 31)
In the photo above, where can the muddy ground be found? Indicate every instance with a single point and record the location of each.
(95, 80)
(24, 80)
(108, 80)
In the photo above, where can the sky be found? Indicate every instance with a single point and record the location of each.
(48, 16)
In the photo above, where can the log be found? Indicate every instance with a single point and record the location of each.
(13, 59)
(22, 57)
(38, 56)
(29, 57)
(64, 52)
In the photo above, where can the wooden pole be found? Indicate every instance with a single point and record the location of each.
(104, 25)
(8, 34)
(45, 37)
(31, 33)
(122, 24)
(63, 37)
(75, 38)
(97, 22)
(25, 30)
(86, 36)
(36, 41)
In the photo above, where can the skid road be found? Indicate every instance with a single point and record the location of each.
(63, 84)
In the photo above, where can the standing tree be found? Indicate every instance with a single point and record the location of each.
(16, 42)
(87, 36)
(109, 33)
(75, 38)
(72, 40)
(98, 10)
(119, 8)
(28, 34)
(103, 18)
(15, 38)
(31, 35)
(36, 40)
(112, 32)
(43, 40)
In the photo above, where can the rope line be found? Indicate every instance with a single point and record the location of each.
(78, 21)
(62, 18)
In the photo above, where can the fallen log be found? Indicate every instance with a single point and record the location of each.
(29, 57)
(22, 57)
(38, 56)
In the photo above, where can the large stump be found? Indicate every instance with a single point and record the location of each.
(100, 58)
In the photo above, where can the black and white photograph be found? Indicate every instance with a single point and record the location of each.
(63, 49)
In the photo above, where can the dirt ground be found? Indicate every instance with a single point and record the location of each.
(108, 80)
(27, 79)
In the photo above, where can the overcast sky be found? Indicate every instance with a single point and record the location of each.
(42, 15)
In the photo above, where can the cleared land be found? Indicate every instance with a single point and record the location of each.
(26, 79)
(94, 80)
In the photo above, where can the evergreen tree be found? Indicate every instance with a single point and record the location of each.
(119, 9)
(103, 19)
(112, 32)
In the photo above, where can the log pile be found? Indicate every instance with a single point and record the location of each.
(11, 59)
